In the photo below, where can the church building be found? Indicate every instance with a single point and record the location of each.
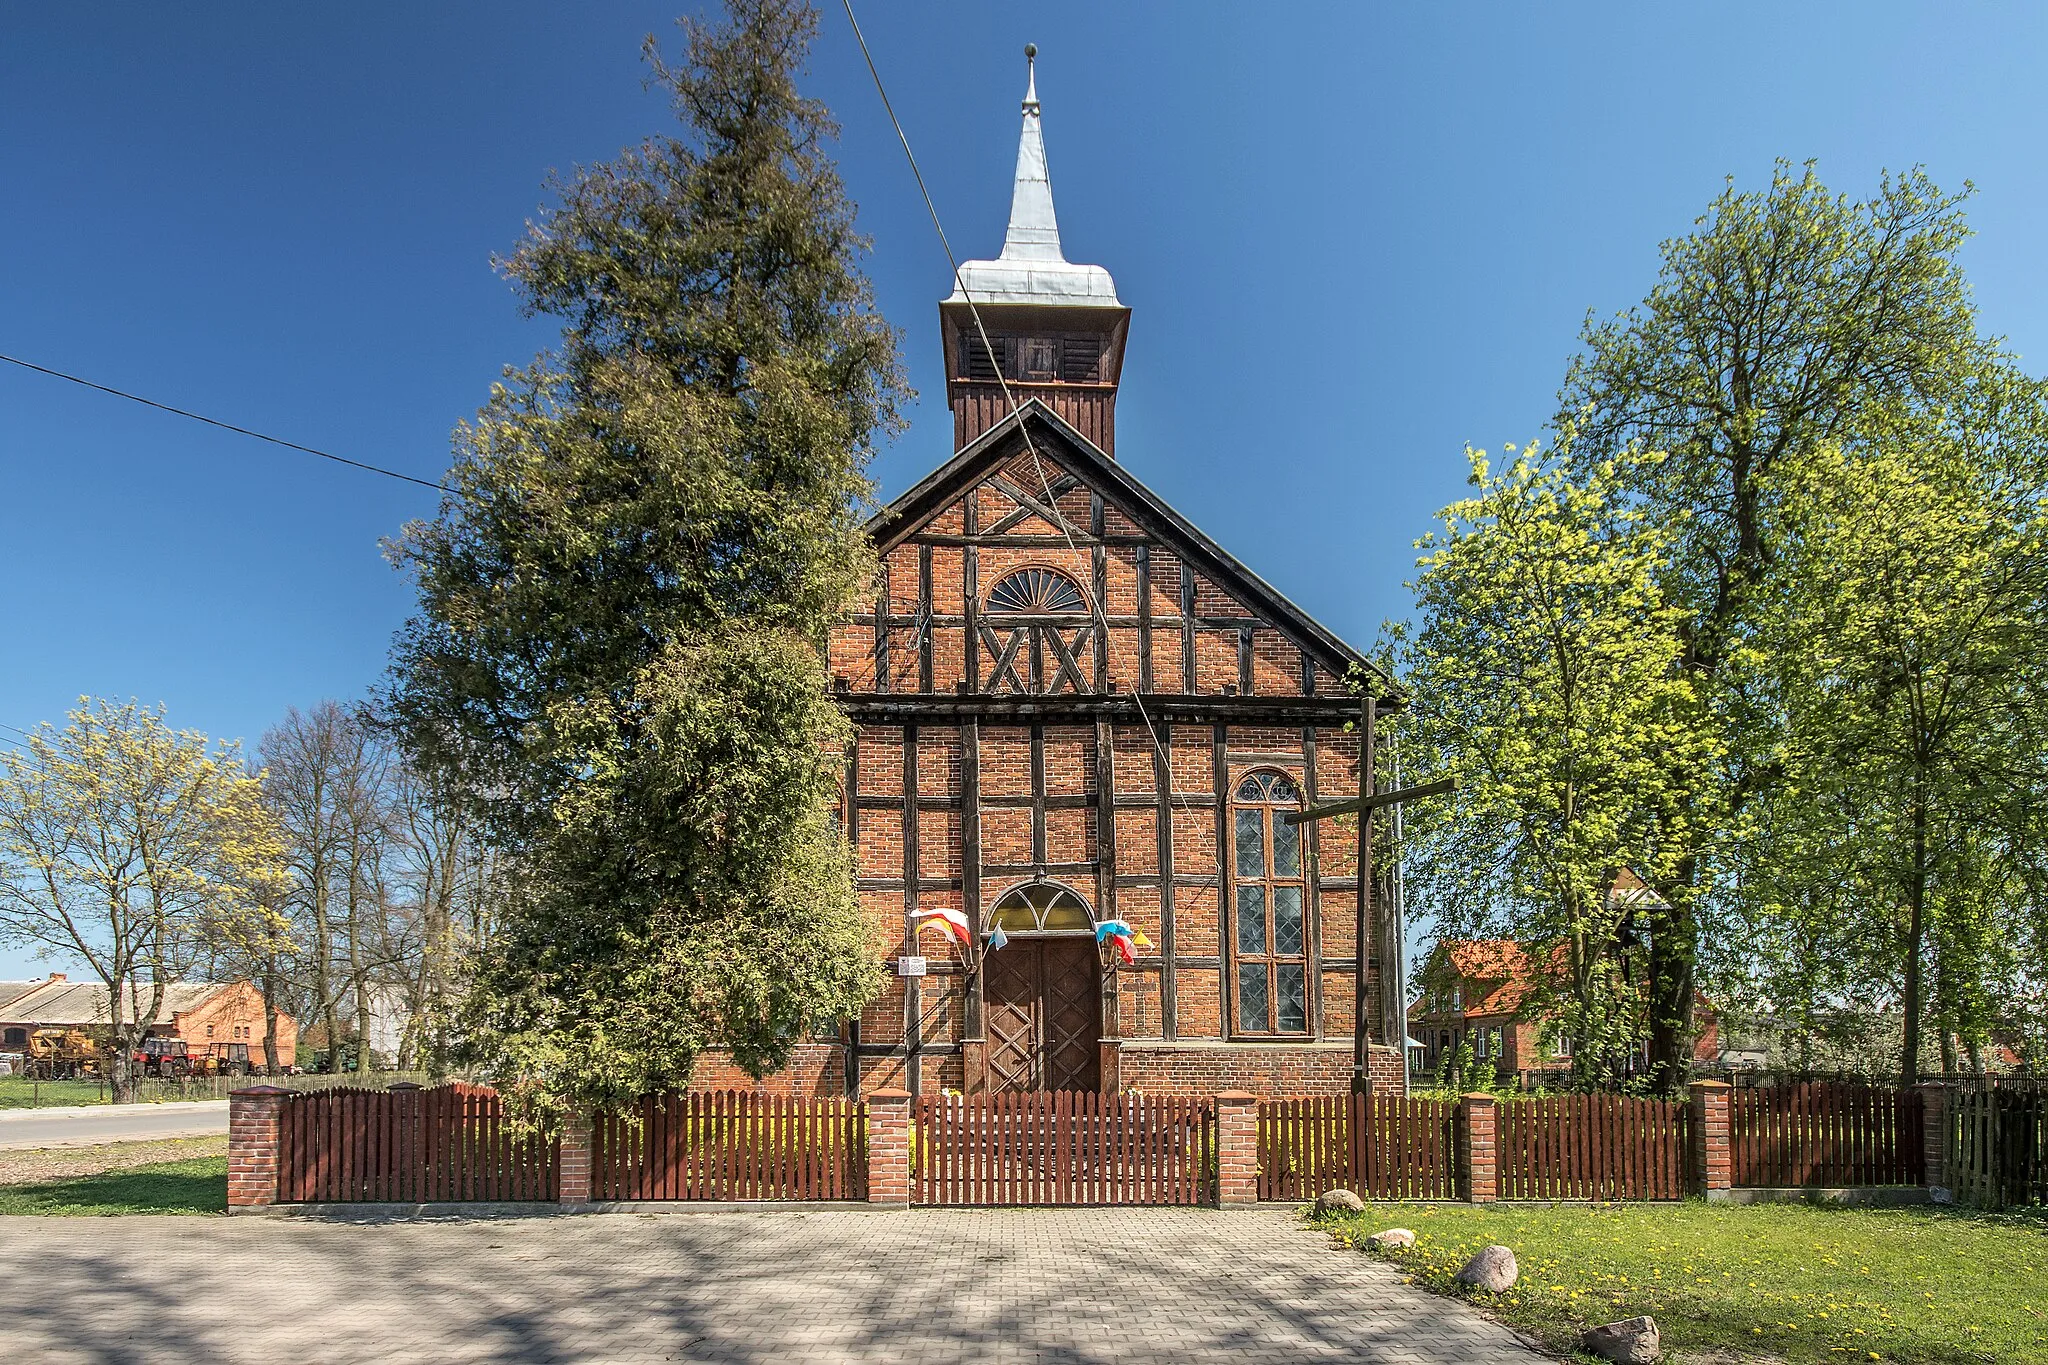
(1075, 708)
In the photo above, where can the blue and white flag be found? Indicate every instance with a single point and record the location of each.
(998, 939)
(1112, 928)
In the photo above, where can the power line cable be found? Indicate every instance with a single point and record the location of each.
(225, 426)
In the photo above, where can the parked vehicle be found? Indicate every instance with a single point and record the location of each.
(228, 1059)
(60, 1054)
(174, 1059)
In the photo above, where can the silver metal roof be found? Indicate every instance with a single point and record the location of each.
(1032, 268)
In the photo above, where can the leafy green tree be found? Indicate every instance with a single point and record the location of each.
(1541, 672)
(140, 850)
(1909, 634)
(623, 605)
(1790, 320)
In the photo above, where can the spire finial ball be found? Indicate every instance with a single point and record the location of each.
(1030, 51)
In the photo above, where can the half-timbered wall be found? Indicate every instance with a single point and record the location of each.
(998, 747)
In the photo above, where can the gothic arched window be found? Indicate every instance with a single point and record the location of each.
(1037, 591)
(1270, 965)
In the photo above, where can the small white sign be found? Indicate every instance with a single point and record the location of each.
(910, 966)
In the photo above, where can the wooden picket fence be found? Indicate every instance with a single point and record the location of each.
(731, 1146)
(1826, 1133)
(448, 1144)
(1062, 1147)
(1407, 1147)
(1591, 1147)
(1997, 1150)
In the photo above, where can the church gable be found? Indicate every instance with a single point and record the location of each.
(993, 567)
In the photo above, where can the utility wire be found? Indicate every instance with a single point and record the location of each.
(1095, 607)
(225, 426)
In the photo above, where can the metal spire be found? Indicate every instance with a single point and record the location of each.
(1032, 267)
(1034, 233)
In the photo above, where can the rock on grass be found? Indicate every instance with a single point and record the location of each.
(1493, 1270)
(1633, 1341)
(1339, 1201)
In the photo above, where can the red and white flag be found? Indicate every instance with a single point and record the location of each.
(947, 921)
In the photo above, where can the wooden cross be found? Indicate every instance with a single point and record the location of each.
(1369, 801)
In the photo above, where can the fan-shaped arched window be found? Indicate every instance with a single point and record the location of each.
(1271, 940)
(1038, 591)
(1042, 908)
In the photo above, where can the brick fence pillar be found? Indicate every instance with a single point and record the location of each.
(1934, 1135)
(1713, 1150)
(889, 1148)
(252, 1145)
(1237, 1149)
(1478, 1149)
(572, 1176)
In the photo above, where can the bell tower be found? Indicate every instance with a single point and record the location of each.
(1054, 330)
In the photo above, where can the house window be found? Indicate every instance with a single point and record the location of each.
(209, 1030)
(1479, 1044)
(1271, 962)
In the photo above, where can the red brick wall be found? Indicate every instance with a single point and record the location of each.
(1269, 1070)
(814, 1069)
(234, 1014)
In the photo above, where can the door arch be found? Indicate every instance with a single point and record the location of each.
(1042, 992)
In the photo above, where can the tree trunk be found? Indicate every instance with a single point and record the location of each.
(1916, 928)
(1673, 982)
(271, 1065)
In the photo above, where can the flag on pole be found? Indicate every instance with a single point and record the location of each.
(1119, 934)
(998, 939)
(947, 921)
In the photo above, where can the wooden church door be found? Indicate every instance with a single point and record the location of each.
(1043, 1007)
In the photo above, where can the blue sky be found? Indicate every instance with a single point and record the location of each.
(1355, 237)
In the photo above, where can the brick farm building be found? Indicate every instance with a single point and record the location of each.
(1070, 701)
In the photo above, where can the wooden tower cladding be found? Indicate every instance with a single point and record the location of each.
(1068, 358)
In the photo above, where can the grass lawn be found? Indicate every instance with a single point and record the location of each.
(1779, 1281)
(19, 1092)
(195, 1185)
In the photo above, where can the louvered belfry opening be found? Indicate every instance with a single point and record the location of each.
(1068, 362)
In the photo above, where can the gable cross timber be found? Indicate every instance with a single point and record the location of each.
(1028, 505)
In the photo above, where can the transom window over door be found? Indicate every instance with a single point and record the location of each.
(1270, 966)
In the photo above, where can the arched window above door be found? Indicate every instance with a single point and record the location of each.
(1042, 908)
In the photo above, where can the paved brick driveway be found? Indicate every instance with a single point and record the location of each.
(1009, 1285)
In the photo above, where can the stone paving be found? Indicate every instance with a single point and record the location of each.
(1000, 1285)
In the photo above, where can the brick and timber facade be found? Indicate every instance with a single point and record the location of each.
(1075, 707)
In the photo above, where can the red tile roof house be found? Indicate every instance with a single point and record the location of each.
(1483, 991)
(196, 1011)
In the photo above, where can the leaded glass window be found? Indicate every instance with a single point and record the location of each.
(1042, 908)
(1270, 961)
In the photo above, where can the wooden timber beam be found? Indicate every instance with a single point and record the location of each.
(905, 708)
(1393, 798)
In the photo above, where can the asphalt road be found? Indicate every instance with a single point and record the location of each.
(87, 1125)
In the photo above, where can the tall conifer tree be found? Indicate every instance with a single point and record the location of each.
(623, 605)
